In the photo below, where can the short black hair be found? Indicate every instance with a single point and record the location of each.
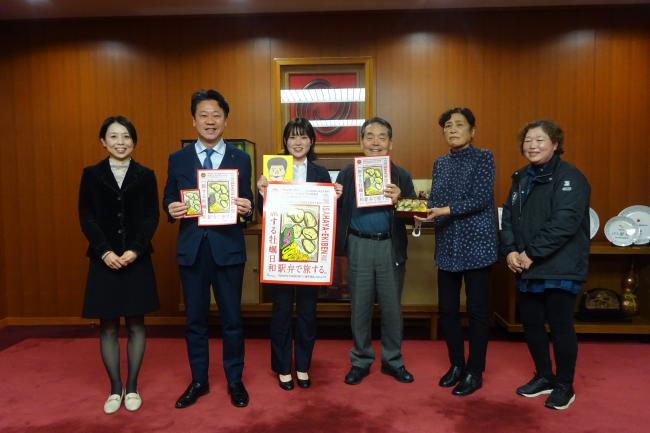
(379, 121)
(300, 126)
(466, 112)
(277, 161)
(122, 121)
(210, 94)
(549, 127)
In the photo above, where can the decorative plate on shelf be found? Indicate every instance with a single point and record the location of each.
(594, 223)
(621, 231)
(640, 214)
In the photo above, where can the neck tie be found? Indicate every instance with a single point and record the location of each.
(207, 163)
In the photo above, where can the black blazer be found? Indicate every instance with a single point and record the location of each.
(315, 173)
(118, 219)
(226, 242)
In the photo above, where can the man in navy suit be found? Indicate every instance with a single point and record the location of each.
(210, 255)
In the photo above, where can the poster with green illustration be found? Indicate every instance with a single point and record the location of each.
(218, 197)
(373, 181)
(299, 241)
(192, 199)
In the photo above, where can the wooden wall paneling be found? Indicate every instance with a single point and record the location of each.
(7, 173)
(62, 282)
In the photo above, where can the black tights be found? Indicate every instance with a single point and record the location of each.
(110, 351)
(477, 288)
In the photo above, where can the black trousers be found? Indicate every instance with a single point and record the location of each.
(283, 339)
(477, 288)
(226, 282)
(556, 307)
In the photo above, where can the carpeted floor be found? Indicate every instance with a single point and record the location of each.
(59, 385)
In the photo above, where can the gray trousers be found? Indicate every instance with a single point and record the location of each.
(372, 274)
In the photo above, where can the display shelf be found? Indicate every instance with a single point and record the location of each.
(608, 264)
(635, 325)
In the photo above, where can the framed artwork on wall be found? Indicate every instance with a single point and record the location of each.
(334, 93)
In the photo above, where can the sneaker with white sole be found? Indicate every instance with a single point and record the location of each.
(132, 401)
(537, 386)
(113, 403)
(561, 397)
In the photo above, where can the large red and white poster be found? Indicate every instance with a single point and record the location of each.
(298, 231)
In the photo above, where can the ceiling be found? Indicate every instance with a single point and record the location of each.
(57, 9)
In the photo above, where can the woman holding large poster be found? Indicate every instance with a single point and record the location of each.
(298, 140)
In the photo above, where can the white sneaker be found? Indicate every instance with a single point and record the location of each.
(113, 403)
(132, 401)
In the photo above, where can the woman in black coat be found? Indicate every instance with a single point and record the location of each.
(298, 140)
(545, 239)
(118, 212)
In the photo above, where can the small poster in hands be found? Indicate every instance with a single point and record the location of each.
(371, 176)
(218, 190)
(192, 199)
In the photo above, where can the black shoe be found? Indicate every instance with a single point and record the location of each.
(400, 374)
(561, 397)
(451, 377)
(303, 383)
(538, 385)
(287, 386)
(469, 383)
(191, 394)
(238, 395)
(356, 375)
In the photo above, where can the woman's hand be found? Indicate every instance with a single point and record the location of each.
(244, 206)
(128, 257)
(392, 191)
(434, 212)
(524, 260)
(338, 189)
(177, 209)
(431, 214)
(514, 263)
(113, 261)
(262, 183)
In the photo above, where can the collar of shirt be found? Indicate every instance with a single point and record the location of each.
(463, 153)
(217, 156)
(220, 148)
(300, 172)
(114, 163)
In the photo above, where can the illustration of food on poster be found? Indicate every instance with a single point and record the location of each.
(298, 229)
(218, 190)
(371, 175)
(192, 199)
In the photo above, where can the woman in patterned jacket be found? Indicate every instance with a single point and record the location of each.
(461, 204)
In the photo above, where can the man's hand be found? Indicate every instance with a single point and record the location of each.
(392, 191)
(177, 209)
(244, 206)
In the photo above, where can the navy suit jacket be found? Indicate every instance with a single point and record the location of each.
(226, 242)
(315, 173)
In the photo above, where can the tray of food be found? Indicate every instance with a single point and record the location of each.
(410, 207)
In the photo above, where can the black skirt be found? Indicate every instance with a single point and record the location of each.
(129, 291)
